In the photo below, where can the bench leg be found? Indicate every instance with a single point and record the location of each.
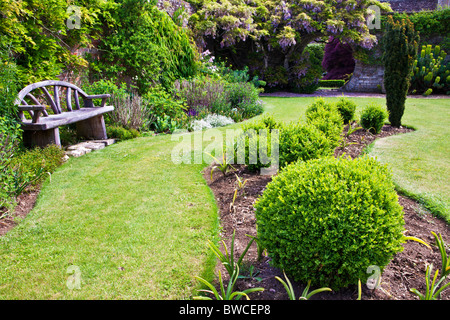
(41, 138)
(93, 128)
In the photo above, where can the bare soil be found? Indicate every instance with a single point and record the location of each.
(25, 202)
(404, 272)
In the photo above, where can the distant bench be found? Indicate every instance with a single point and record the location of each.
(42, 127)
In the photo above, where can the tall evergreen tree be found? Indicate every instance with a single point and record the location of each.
(400, 45)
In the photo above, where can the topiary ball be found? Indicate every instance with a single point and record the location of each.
(326, 117)
(302, 142)
(327, 220)
(346, 109)
(373, 117)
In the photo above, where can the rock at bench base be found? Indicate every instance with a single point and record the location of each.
(82, 148)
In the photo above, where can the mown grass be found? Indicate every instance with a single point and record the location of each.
(420, 160)
(133, 223)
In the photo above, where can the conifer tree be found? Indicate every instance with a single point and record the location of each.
(400, 44)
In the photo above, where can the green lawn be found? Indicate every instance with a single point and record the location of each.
(133, 223)
(420, 161)
(136, 225)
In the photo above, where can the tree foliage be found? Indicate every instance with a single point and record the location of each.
(288, 25)
(41, 42)
(144, 47)
(138, 43)
(338, 60)
(400, 44)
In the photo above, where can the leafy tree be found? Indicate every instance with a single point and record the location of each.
(400, 44)
(37, 33)
(284, 26)
(338, 60)
(142, 46)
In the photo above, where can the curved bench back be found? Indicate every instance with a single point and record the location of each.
(52, 97)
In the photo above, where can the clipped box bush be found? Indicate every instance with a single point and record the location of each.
(327, 220)
(346, 109)
(251, 137)
(303, 142)
(326, 118)
(373, 117)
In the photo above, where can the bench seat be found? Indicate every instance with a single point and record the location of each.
(65, 118)
(41, 128)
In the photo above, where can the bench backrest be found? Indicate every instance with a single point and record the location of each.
(51, 91)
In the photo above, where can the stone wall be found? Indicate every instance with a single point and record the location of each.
(444, 3)
(366, 78)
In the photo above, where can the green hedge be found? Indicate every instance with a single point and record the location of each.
(331, 83)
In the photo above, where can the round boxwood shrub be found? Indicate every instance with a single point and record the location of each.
(327, 220)
(250, 141)
(302, 142)
(346, 109)
(373, 117)
(326, 117)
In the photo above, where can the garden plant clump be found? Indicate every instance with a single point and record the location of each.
(328, 220)
(372, 117)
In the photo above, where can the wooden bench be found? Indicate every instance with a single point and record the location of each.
(48, 112)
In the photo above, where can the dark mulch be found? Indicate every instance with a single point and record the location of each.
(25, 202)
(405, 271)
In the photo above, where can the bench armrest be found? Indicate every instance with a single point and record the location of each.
(88, 100)
(34, 110)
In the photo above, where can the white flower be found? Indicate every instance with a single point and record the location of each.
(211, 121)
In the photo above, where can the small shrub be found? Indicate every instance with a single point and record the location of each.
(430, 71)
(327, 220)
(200, 92)
(302, 142)
(327, 119)
(10, 134)
(373, 117)
(158, 102)
(251, 137)
(121, 133)
(31, 167)
(244, 97)
(346, 109)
